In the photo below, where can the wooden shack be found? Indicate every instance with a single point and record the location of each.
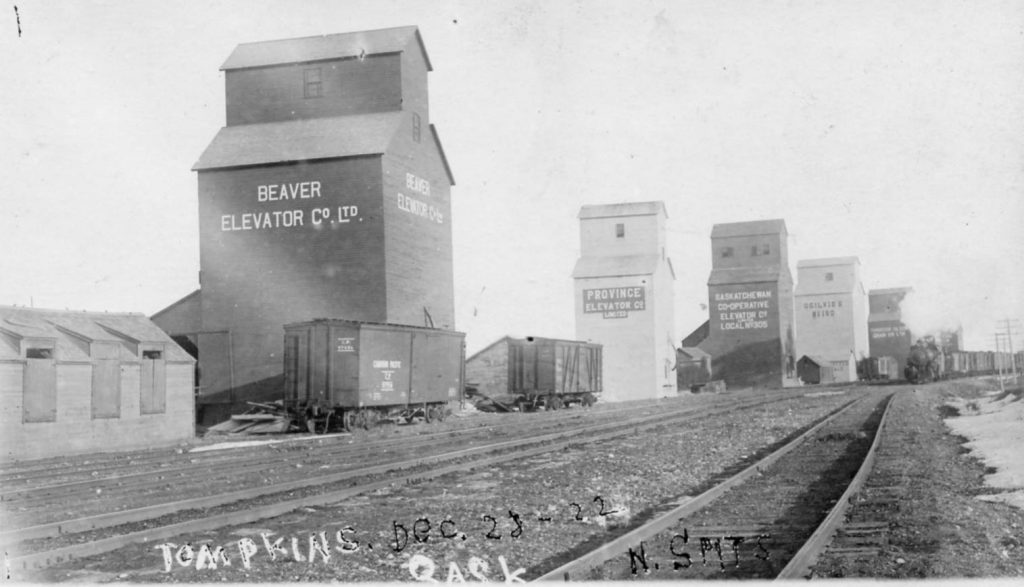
(814, 370)
(78, 382)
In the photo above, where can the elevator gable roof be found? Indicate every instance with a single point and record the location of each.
(300, 140)
(754, 228)
(623, 209)
(325, 47)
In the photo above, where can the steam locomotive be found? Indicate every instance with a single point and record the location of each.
(925, 362)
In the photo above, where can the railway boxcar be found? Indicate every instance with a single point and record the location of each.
(533, 372)
(353, 374)
(878, 369)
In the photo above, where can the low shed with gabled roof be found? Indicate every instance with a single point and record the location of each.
(77, 382)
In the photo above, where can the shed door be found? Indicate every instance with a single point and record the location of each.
(39, 403)
(106, 388)
(153, 384)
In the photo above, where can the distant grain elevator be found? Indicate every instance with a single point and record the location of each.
(751, 336)
(624, 284)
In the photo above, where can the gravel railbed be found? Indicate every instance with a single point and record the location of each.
(278, 464)
(937, 527)
(631, 475)
(50, 543)
(753, 530)
(38, 479)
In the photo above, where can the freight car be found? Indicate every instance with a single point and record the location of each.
(878, 369)
(348, 374)
(534, 373)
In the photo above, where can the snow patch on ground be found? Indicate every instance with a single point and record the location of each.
(995, 430)
(244, 443)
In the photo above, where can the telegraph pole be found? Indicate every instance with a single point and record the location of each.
(1012, 325)
(999, 365)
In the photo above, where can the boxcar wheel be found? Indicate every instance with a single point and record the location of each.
(348, 421)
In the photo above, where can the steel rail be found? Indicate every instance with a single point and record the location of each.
(687, 506)
(569, 438)
(259, 457)
(800, 565)
(127, 461)
(54, 529)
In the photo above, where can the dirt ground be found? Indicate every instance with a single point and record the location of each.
(960, 516)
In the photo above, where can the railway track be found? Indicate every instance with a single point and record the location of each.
(48, 544)
(122, 485)
(865, 528)
(32, 478)
(31, 475)
(771, 520)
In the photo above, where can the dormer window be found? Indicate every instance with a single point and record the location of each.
(38, 353)
(312, 87)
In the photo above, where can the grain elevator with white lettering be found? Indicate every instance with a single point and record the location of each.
(326, 195)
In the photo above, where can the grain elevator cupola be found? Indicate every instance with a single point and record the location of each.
(327, 194)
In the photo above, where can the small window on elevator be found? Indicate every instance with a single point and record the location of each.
(416, 124)
(726, 252)
(830, 276)
(620, 230)
(312, 87)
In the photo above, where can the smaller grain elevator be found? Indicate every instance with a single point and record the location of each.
(750, 295)
(832, 314)
(624, 286)
(889, 336)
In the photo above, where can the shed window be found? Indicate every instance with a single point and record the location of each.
(726, 252)
(829, 276)
(38, 353)
(152, 354)
(312, 87)
(620, 230)
(416, 127)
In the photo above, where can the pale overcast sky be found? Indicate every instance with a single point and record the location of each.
(890, 131)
